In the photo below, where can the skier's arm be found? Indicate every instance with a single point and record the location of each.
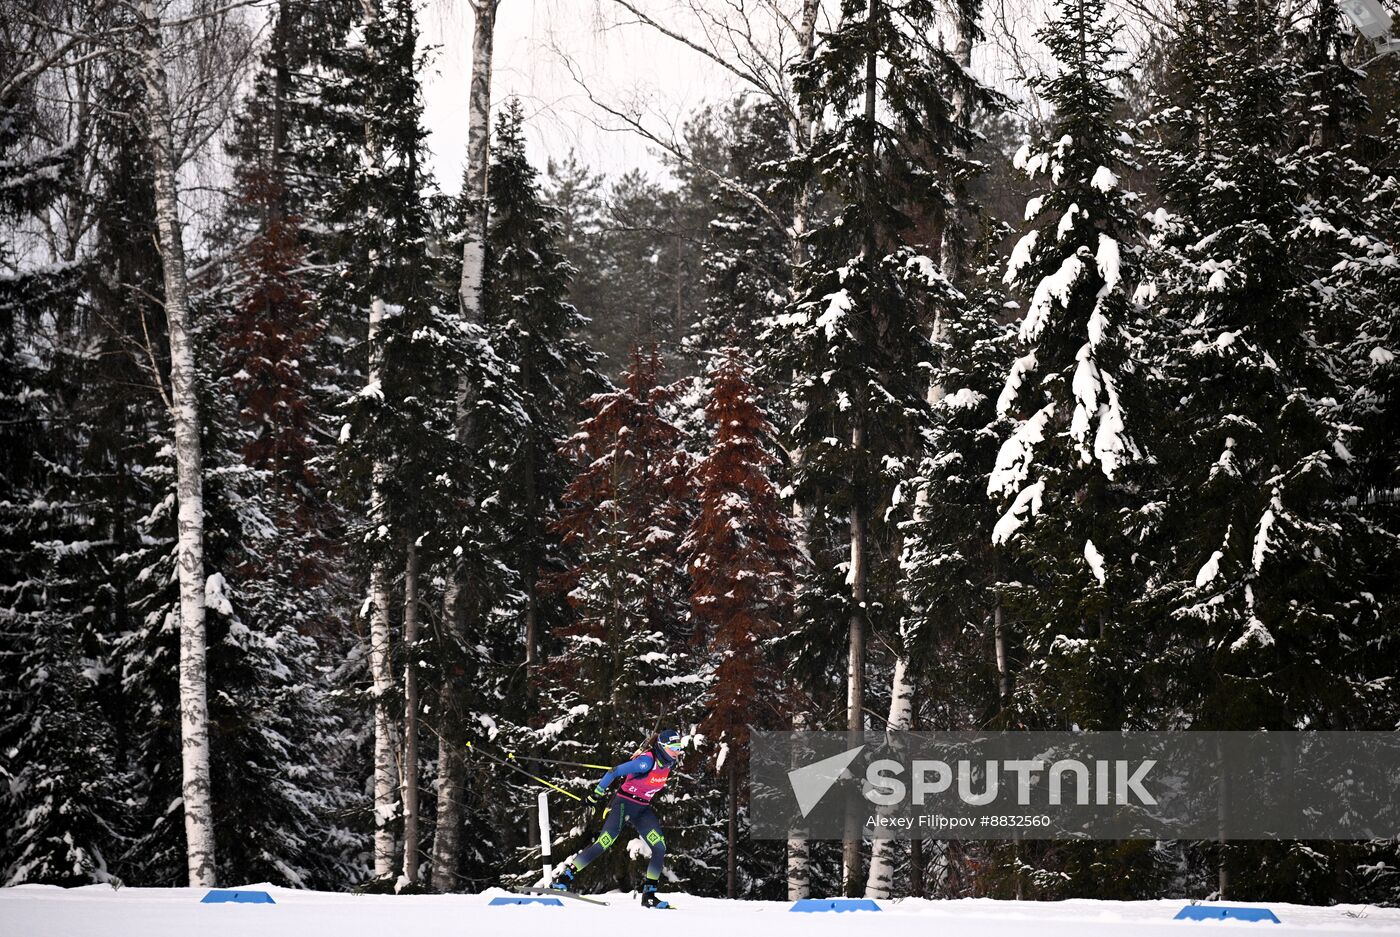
(642, 764)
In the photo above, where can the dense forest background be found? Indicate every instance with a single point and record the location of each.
(886, 403)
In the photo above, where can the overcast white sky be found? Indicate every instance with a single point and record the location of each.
(629, 64)
(621, 62)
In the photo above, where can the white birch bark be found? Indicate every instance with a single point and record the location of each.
(478, 148)
(804, 124)
(380, 659)
(882, 850)
(799, 850)
(447, 835)
(410, 717)
(189, 484)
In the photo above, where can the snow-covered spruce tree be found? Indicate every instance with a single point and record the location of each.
(400, 446)
(952, 625)
(624, 660)
(534, 328)
(1268, 566)
(949, 140)
(1261, 442)
(639, 252)
(61, 785)
(741, 559)
(474, 655)
(576, 193)
(747, 272)
(272, 659)
(1059, 472)
(855, 340)
(1349, 220)
(117, 424)
(1064, 474)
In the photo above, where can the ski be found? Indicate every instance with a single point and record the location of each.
(559, 894)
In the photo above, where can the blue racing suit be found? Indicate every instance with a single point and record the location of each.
(643, 776)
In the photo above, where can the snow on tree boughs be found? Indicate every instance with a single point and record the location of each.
(625, 512)
(1057, 473)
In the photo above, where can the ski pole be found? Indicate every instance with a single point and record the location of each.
(557, 761)
(515, 767)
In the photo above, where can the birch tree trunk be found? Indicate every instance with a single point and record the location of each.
(447, 837)
(478, 147)
(999, 648)
(952, 250)
(799, 850)
(803, 127)
(855, 684)
(189, 479)
(410, 716)
(855, 671)
(882, 850)
(380, 659)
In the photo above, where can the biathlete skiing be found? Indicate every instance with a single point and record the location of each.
(643, 778)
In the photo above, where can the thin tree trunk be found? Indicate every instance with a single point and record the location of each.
(732, 858)
(803, 127)
(380, 659)
(1003, 670)
(855, 672)
(447, 838)
(410, 716)
(855, 686)
(478, 148)
(281, 91)
(189, 483)
(916, 867)
(1222, 823)
(952, 249)
(530, 573)
(881, 879)
(799, 849)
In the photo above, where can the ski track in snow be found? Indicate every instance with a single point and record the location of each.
(98, 911)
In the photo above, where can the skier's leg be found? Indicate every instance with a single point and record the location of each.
(648, 827)
(612, 826)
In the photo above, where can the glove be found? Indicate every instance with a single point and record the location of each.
(596, 797)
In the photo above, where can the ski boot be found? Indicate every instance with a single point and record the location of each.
(564, 881)
(649, 897)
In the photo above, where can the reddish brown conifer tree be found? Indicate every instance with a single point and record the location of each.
(740, 555)
(625, 654)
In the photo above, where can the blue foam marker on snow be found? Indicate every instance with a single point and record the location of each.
(548, 902)
(237, 896)
(834, 904)
(1206, 912)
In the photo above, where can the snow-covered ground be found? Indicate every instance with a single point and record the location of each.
(98, 911)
